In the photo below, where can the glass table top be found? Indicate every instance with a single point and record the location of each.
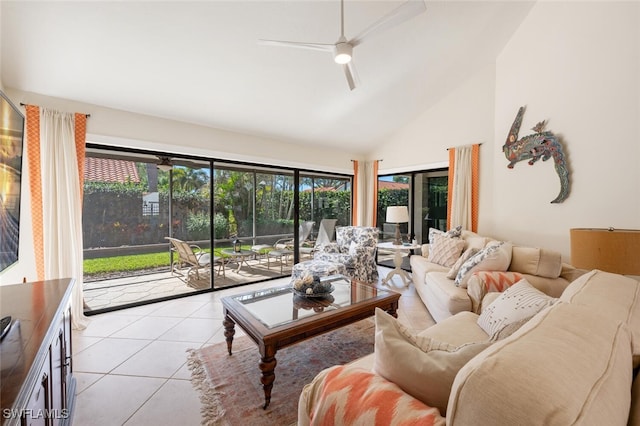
(278, 306)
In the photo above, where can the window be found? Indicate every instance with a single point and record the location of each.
(229, 215)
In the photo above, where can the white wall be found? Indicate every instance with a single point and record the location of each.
(578, 66)
(465, 116)
(575, 64)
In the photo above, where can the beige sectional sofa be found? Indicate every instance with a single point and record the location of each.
(543, 268)
(571, 363)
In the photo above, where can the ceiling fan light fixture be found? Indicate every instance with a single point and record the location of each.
(165, 164)
(343, 53)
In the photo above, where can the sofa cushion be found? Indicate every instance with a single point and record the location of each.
(445, 250)
(457, 330)
(554, 287)
(536, 261)
(423, 367)
(517, 303)
(612, 295)
(494, 257)
(473, 240)
(454, 299)
(468, 254)
(567, 365)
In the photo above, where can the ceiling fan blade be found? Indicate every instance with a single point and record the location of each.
(350, 73)
(404, 12)
(301, 45)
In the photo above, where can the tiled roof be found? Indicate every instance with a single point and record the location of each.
(385, 184)
(109, 170)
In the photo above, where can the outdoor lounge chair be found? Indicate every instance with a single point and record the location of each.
(192, 257)
(325, 236)
(303, 235)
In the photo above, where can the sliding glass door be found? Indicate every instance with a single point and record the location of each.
(130, 207)
(253, 220)
(158, 227)
(424, 194)
(325, 203)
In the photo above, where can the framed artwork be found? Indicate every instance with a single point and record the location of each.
(11, 148)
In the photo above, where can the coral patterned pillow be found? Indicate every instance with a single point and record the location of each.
(445, 250)
(346, 395)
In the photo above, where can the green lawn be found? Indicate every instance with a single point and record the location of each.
(134, 262)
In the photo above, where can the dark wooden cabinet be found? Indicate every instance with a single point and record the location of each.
(36, 373)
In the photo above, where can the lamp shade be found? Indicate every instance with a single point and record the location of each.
(397, 214)
(611, 250)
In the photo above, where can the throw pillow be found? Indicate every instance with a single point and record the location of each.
(350, 395)
(468, 253)
(494, 257)
(453, 233)
(445, 250)
(422, 367)
(519, 302)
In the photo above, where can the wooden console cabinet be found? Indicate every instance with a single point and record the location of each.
(37, 386)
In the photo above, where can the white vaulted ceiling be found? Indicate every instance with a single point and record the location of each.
(200, 62)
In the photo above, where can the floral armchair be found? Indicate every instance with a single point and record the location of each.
(355, 248)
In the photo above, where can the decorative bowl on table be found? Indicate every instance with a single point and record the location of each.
(308, 303)
(310, 286)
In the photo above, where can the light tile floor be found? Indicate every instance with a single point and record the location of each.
(130, 365)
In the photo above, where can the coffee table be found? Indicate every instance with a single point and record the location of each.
(276, 317)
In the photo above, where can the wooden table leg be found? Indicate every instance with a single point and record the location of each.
(229, 331)
(393, 310)
(268, 366)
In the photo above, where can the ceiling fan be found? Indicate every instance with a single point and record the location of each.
(342, 50)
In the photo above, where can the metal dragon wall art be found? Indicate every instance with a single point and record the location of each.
(542, 144)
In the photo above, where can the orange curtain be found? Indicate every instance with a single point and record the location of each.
(35, 186)
(80, 121)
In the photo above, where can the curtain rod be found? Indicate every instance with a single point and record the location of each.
(480, 143)
(24, 105)
(382, 159)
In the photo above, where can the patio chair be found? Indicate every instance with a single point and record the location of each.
(191, 256)
(325, 236)
(303, 235)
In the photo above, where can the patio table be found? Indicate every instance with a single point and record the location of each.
(239, 257)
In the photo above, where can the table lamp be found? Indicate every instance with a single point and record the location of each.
(397, 215)
(611, 250)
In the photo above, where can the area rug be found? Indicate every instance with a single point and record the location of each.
(230, 388)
